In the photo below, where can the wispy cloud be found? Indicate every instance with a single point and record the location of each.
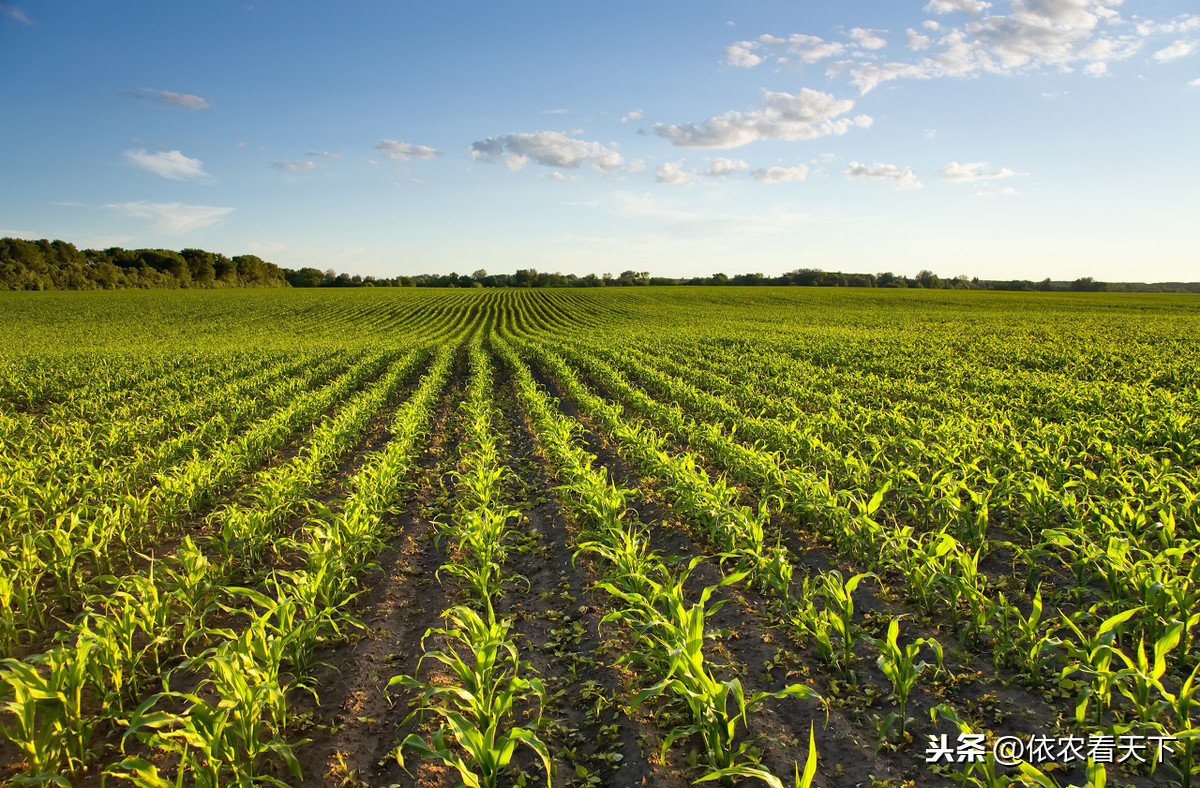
(14, 13)
(972, 171)
(294, 166)
(801, 47)
(781, 174)
(324, 154)
(1088, 35)
(173, 218)
(548, 148)
(1175, 51)
(806, 115)
(171, 164)
(635, 115)
(673, 172)
(403, 151)
(555, 111)
(901, 178)
(171, 98)
(721, 166)
(972, 7)
(867, 38)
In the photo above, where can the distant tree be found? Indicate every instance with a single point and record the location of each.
(201, 265)
(306, 277)
(928, 280)
(805, 277)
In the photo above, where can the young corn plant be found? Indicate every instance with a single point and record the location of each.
(478, 734)
(1024, 641)
(899, 664)
(673, 633)
(839, 604)
(1180, 705)
(801, 780)
(1092, 652)
(50, 724)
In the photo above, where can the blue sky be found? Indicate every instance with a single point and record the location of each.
(1011, 139)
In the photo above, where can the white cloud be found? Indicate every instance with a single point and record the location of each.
(972, 7)
(1063, 34)
(174, 217)
(808, 49)
(403, 151)
(1175, 51)
(781, 174)
(169, 164)
(1195, 83)
(868, 76)
(635, 115)
(721, 166)
(867, 39)
(673, 172)
(637, 165)
(14, 13)
(741, 54)
(555, 111)
(806, 115)
(917, 41)
(324, 155)
(548, 148)
(1180, 24)
(187, 100)
(903, 179)
(972, 171)
(294, 166)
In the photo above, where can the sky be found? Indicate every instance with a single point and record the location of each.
(1003, 139)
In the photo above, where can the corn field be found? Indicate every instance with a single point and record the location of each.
(612, 537)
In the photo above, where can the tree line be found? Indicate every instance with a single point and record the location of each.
(58, 265)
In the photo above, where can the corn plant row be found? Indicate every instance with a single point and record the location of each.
(34, 436)
(1040, 475)
(733, 528)
(120, 642)
(86, 544)
(669, 630)
(1037, 469)
(237, 733)
(938, 569)
(740, 532)
(477, 711)
(1162, 584)
(41, 493)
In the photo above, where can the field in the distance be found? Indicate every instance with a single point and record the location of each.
(657, 534)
